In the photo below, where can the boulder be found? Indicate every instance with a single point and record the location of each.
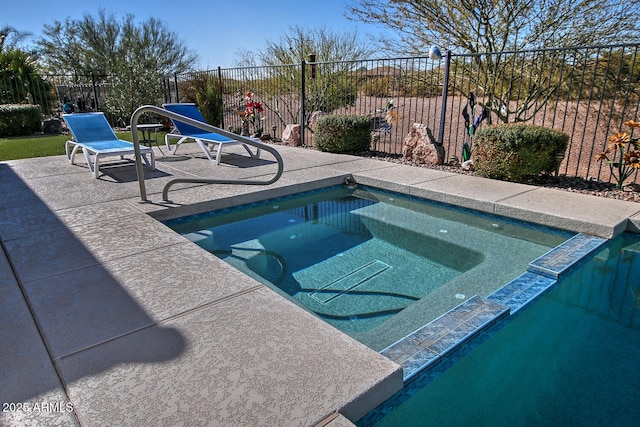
(51, 126)
(291, 135)
(467, 165)
(314, 117)
(421, 147)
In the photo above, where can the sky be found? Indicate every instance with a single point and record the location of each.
(215, 30)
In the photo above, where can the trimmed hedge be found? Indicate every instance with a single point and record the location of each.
(19, 120)
(517, 151)
(343, 134)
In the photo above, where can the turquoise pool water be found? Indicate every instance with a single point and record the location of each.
(371, 263)
(570, 358)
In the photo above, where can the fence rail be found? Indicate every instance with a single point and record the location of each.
(586, 92)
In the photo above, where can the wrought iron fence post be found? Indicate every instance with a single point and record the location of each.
(303, 96)
(94, 105)
(175, 82)
(445, 91)
(221, 93)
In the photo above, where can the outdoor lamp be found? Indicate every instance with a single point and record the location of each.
(434, 53)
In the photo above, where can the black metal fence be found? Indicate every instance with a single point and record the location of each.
(586, 92)
(82, 93)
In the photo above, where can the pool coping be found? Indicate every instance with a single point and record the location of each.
(51, 207)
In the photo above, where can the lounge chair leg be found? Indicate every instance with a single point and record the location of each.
(218, 154)
(93, 167)
(167, 142)
(253, 156)
(151, 165)
(203, 147)
(71, 155)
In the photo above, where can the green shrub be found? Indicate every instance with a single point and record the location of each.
(377, 86)
(330, 92)
(19, 119)
(209, 101)
(517, 151)
(343, 134)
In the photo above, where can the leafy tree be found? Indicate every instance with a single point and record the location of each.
(295, 46)
(20, 81)
(326, 90)
(497, 27)
(10, 38)
(134, 57)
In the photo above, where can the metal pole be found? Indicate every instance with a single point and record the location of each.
(302, 102)
(175, 82)
(221, 93)
(445, 91)
(95, 94)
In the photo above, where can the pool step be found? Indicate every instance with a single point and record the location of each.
(427, 345)
(543, 273)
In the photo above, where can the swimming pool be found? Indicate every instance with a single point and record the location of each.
(569, 358)
(372, 263)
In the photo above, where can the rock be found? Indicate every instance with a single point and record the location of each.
(291, 136)
(631, 187)
(314, 117)
(467, 165)
(421, 147)
(51, 126)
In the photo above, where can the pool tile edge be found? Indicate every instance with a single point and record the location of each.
(561, 258)
(429, 344)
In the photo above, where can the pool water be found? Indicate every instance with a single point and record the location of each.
(371, 263)
(570, 358)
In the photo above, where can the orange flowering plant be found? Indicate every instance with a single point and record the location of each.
(622, 159)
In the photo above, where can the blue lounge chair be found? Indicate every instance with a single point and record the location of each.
(92, 133)
(201, 137)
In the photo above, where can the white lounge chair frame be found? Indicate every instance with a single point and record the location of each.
(200, 138)
(108, 146)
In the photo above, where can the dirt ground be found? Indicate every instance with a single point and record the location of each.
(586, 124)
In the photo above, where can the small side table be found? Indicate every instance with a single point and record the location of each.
(145, 129)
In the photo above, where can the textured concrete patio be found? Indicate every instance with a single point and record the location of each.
(109, 318)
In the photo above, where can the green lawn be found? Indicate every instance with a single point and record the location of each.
(40, 146)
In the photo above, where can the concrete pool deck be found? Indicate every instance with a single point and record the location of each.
(110, 318)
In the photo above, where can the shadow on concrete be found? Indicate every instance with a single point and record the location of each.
(58, 300)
